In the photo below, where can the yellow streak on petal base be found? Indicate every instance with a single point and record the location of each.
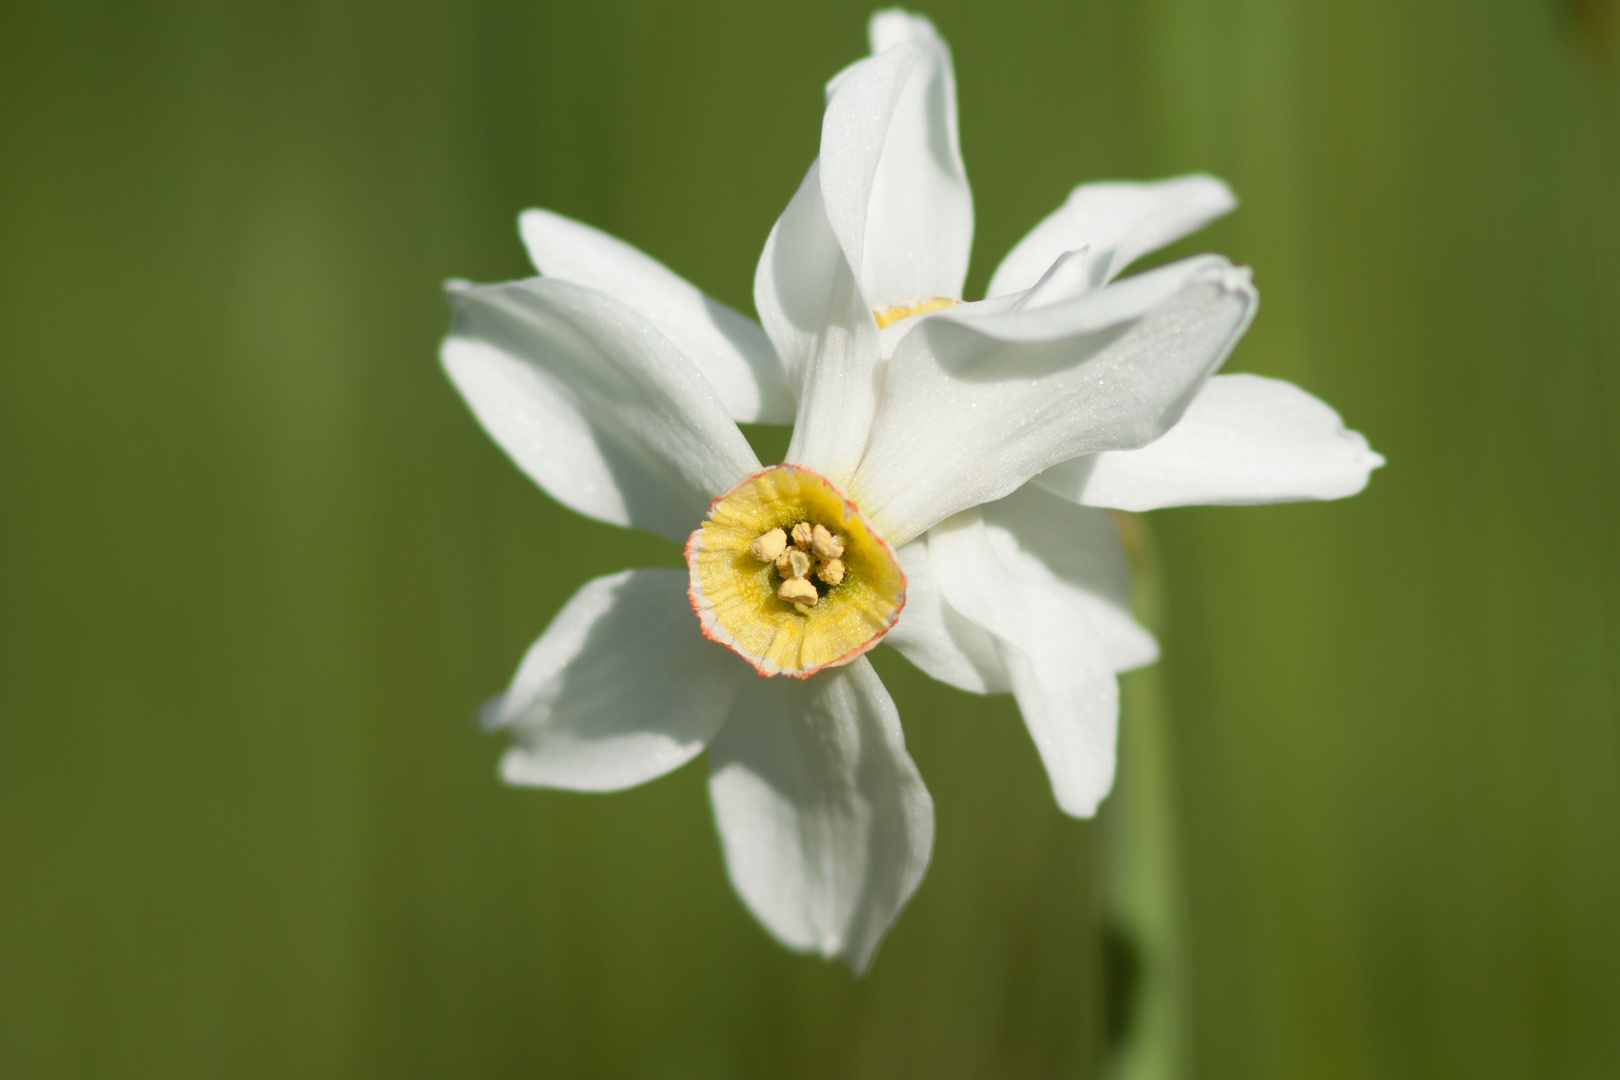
(735, 594)
(885, 314)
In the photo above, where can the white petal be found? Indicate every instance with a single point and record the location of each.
(1119, 222)
(1243, 440)
(1069, 276)
(886, 199)
(821, 324)
(729, 348)
(621, 688)
(861, 103)
(1058, 662)
(939, 639)
(1073, 552)
(974, 407)
(919, 212)
(826, 825)
(593, 403)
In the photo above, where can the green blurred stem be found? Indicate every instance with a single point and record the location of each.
(1146, 947)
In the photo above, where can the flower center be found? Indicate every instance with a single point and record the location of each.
(917, 305)
(789, 574)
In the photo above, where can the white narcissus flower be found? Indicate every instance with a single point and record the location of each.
(942, 492)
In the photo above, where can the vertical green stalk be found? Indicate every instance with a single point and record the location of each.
(1145, 945)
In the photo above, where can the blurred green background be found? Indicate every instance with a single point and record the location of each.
(258, 565)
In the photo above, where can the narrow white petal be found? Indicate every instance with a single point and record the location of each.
(974, 406)
(798, 276)
(1074, 553)
(815, 314)
(919, 214)
(621, 688)
(887, 199)
(594, 403)
(861, 105)
(939, 639)
(729, 348)
(1058, 662)
(825, 823)
(1243, 440)
(1119, 222)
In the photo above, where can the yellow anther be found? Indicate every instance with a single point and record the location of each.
(803, 534)
(831, 571)
(798, 564)
(887, 314)
(824, 543)
(769, 545)
(798, 590)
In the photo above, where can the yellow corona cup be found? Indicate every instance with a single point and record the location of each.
(790, 575)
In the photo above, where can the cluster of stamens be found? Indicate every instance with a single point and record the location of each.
(800, 553)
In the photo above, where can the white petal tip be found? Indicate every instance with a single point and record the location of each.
(491, 713)
(1217, 195)
(515, 770)
(1358, 468)
(1084, 806)
(894, 26)
(1208, 193)
(1147, 656)
(858, 965)
(538, 228)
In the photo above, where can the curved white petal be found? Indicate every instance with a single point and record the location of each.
(1119, 222)
(621, 688)
(822, 326)
(939, 639)
(1243, 440)
(729, 348)
(886, 202)
(973, 407)
(825, 823)
(861, 104)
(1074, 552)
(593, 403)
(919, 212)
(1058, 662)
(1069, 276)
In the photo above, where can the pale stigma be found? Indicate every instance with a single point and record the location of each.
(789, 574)
(917, 305)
